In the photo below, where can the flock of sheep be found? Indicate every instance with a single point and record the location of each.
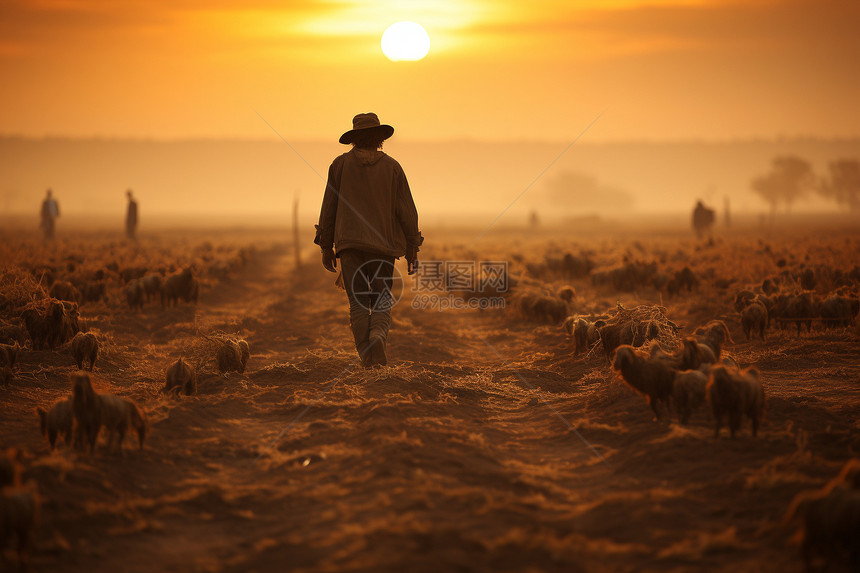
(48, 319)
(694, 375)
(698, 372)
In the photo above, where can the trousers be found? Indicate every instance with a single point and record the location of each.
(367, 278)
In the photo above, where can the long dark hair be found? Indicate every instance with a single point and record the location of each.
(371, 139)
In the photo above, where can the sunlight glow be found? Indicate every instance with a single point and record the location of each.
(405, 41)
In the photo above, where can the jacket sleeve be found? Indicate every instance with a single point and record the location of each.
(328, 212)
(407, 214)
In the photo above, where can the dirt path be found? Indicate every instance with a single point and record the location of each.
(468, 453)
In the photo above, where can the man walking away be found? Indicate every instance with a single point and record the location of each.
(131, 217)
(369, 216)
(49, 213)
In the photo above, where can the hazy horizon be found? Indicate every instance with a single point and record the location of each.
(247, 177)
(668, 102)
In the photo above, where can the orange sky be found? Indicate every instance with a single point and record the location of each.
(661, 69)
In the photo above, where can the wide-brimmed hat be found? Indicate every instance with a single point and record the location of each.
(365, 122)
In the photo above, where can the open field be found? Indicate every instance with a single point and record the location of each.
(486, 444)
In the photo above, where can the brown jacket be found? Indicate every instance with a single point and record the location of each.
(368, 205)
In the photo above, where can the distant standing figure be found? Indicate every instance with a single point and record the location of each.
(368, 214)
(49, 214)
(703, 219)
(131, 217)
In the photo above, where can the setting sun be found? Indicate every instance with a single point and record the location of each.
(405, 41)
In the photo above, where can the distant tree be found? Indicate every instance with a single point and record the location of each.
(790, 178)
(843, 183)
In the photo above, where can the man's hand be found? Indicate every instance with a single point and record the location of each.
(329, 261)
(411, 259)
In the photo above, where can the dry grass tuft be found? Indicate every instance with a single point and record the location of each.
(19, 290)
(201, 350)
(638, 325)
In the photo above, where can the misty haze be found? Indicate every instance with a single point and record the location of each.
(429, 286)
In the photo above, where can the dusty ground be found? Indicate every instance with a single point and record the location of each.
(485, 445)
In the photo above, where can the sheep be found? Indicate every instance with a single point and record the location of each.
(735, 395)
(549, 309)
(64, 290)
(586, 334)
(540, 307)
(831, 528)
(19, 507)
(180, 377)
(36, 326)
(754, 318)
(692, 354)
(54, 327)
(839, 311)
(689, 392)
(42, 327)
(9, 355)
(117, 416)
(632, 275)
(695, 354)
(87, 410)
(673, 361)
(769, 302)
(85, 346)
(232, 356)
(134, 294)
(713, 334)
(830, 520)
(743, 298)
(651, 378)
(569, 324)
(71, 321)
(683, 279)
(58, 420)
(182, 284)
(151, 286)
(800, 308)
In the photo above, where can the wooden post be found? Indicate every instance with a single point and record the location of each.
(296, 242)
(727, 218)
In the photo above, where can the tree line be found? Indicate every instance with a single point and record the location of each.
(791, 178)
